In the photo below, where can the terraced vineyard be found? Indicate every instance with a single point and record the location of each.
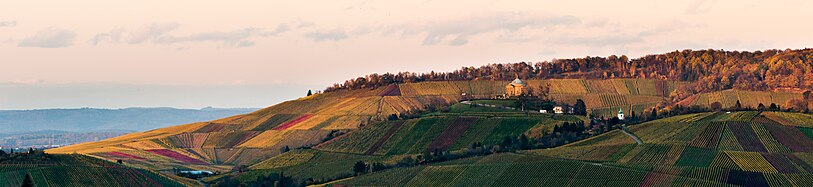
(708, 149)
(752, 99)
(220, 144)
(328, 133)
(680, 151)
(79, 170)
(439, 133)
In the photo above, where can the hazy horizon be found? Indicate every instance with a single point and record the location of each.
(253, 54)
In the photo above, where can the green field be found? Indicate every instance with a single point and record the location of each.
(77, 170)
(692, 150)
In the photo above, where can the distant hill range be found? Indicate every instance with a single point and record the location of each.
(93, 119)
(53, 138)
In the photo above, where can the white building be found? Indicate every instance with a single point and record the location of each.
(620, 114)
(558, 110)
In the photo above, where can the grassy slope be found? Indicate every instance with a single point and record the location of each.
(80, 170)
(252, 141)
(247, 139)
(696, 146)
(671, 155)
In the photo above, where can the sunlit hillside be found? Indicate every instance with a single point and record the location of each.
(250, 138)
(704, 149)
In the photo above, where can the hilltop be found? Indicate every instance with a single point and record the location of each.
(704, 70)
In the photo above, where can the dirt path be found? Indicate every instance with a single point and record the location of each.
(637, 140)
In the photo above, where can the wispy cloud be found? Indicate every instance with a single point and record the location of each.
(458, 32)
(699, 6)
(151, 32)
(245, 44)
(333, 35)
(162, 33)
(8, 23)
(49, 38)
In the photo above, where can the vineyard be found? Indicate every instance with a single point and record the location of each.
(308, 120)
(79, 170)
(434, 133)
(288, 159)
(176, 156)
(706, 149)
(748, 99)
(320, 137)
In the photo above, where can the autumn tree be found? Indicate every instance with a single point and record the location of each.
(579, 108)
(796, 105)
(544, 92)
(716, 106)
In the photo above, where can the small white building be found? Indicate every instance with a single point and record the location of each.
(620, 114)
(558, 110)
(543, 111)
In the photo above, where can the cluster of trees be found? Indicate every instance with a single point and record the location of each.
(561, 134)
(31, 154)
(273, 179)
(708, 70)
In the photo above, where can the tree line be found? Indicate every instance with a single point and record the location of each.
(707, 70)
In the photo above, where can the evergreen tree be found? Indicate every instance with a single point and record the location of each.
(580, 108)
(523, 141)
(310, 93)
(359, 167)
(28, 182)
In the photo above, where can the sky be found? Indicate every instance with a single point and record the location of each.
(193, 54)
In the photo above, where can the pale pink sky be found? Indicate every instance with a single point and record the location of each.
(95, 53)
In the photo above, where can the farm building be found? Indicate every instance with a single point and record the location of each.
(620, 114)
(558, 110)
(515, 88)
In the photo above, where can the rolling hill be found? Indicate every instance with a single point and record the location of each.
(77, 170)
(318, 138)
(705, 149)
(250, 138)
